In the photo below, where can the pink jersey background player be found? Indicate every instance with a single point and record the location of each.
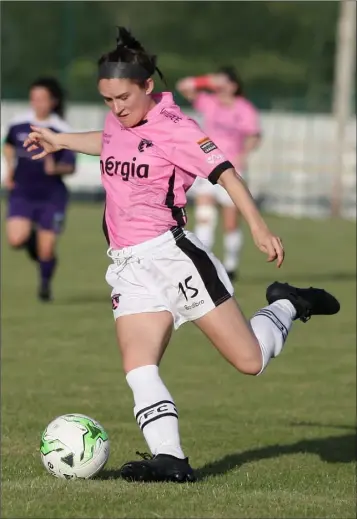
(161, 275)
(232, 122)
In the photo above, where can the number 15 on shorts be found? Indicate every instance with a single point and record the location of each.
(187, 290)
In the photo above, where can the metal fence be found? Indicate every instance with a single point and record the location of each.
(291, 173)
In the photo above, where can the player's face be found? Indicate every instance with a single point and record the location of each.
(231, 87)
(127, 100)
(226, 86)
(41, 102)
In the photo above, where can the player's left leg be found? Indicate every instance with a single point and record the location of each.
(249, 345)
(47, 261)
(233, 236)
(50, 225)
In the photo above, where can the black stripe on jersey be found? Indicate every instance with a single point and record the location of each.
(178, 213)
(206, 269)
(218, 170)
(105, 227)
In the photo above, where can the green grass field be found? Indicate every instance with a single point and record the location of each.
(280, 445)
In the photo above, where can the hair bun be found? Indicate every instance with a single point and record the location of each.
(127, 40)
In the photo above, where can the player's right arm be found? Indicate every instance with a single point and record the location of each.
(190, 87)
(89, 143)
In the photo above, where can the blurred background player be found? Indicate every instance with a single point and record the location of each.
(37, 195)
(232, 122)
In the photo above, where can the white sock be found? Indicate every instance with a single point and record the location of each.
(271, 326)
(205, 227)
(155, 411)
(232, 246)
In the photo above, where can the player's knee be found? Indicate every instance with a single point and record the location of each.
(16, 241)
(250, 364)
(46, 254)
(253, 367)
(230, 227)
(206, 214)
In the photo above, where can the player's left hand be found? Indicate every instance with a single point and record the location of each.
(50, 165)
(270, 244)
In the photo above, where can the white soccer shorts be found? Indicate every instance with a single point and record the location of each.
(173, 272)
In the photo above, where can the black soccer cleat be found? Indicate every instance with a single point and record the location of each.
(307, 301)
(161, 467)
(233, 275)
(44, 293)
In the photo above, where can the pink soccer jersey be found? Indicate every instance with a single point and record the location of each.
(146, 171)
(226, 125)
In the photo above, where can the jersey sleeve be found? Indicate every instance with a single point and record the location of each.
(10, 136)
(250, 124)
(194, 152)
(65, 157)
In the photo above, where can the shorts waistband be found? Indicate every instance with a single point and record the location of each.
(174, 234)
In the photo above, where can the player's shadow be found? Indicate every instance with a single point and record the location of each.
(332, 449)
(311, 278)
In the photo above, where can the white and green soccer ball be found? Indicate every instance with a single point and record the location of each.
(74, 446)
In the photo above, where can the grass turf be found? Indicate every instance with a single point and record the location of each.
(280, 445)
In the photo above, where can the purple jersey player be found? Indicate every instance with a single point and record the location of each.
(37, 194)
(161, 275)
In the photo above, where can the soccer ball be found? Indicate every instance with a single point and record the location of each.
(74, 446)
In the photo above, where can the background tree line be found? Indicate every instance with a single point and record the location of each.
(283, 50)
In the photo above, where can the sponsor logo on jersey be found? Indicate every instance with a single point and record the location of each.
(190, 307)
(207, 145)
(107, 137)
(174, 118)
(214, 159)
(126, 170)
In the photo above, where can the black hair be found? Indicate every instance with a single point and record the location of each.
(56, 91)
(130, 50)
(233, 76)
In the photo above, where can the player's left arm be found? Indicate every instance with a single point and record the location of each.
(195, 153)
(264, 239)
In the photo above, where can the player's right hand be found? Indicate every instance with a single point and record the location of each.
(42, 138)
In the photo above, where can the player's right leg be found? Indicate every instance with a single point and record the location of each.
(18, 230)
(19, 224)
(144, 324)
(142, 340)
(205, 212)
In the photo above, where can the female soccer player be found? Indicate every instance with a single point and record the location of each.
(37, 194)
(161, 275)
(232, 123)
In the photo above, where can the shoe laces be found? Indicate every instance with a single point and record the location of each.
(145, 455)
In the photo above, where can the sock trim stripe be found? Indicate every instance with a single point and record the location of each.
(270, 315)
(266, 311)
(154, 405)
(157, 418)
